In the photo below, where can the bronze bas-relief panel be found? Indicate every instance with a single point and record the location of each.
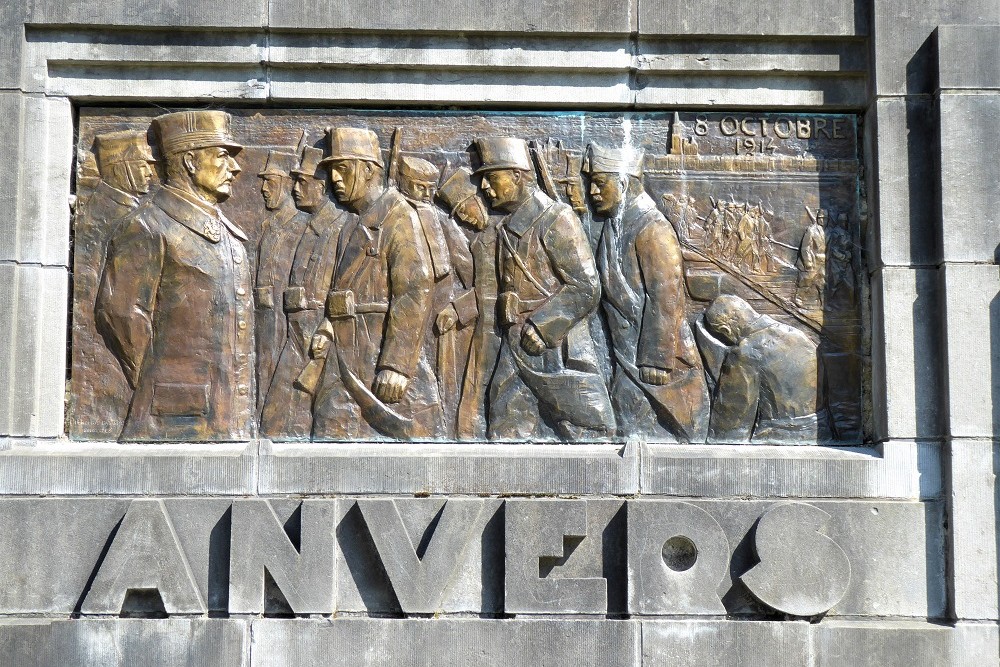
(467, 276)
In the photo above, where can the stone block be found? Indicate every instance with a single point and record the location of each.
(760, 471)
(824, 18)
(177, 13)
(296, 553)
(972, 516)
(968, 56)
(907, 352)
(11, 43)
(903, 207)
(429, 468)
(773, 90)
(905, 53)
(44, 467)
(373, 642)
(557, 16)
(34, 300)
(970, 184)
(726, 643)
(972, 332)
(903, 644)
(193, 642)
(86, 62)
(541, 538)
(47, 562)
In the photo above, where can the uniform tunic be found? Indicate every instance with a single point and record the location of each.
(176, 304)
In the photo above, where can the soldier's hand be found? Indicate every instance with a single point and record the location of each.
(651, 375)
(319, 347)
(446, 319)
(390, 385)
(532, 341)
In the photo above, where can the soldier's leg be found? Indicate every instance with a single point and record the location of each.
(514, 411)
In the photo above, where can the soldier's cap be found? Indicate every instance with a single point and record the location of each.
(312, 161)
(190, 130)
(351, 143)
(625, 160)
(416, 169)
(457, 188)
(117, 147)
(279, 163)
(503, 153)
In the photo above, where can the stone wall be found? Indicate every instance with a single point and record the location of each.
(885, 554)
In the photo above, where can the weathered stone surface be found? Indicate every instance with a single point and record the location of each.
(677, 557)
(904, 50)
(327, 468)
(11, 104)
(972, 516)
(31, 402)
(738, 91)
(969, 56)
(297, 554)
(423, 564)
(47, 562)
(11, 43)
(57, 467)
(726, 643)
(527, 17)
(907, 351)
(203, 529)
(904, 227)
(44, 165)
(903, 644)
(144, 555)
(970, 189)
(540, 536)
(180, 13)
(349, 642)
(715, 17)
(972, 309)
(737, 471)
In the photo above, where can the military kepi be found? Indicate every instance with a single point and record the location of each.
(278, 163)
(351, 143)
(312, 158)
(190, 130)
(457, 188)
(625, 160)
(503, 153)
(117, 147)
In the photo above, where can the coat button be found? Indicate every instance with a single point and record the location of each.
(240, 291)
(237, 259)
(243, 390)
(242, 324)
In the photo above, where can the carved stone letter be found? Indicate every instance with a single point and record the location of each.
(145, 555)
(548, 530)
(259, 542)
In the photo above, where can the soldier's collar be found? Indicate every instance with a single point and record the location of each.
(528, 213)
(639, 205)
(198, 216)
(376, 214)
(117, 196)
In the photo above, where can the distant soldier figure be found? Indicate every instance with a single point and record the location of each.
(451, 261)
(714, 239)
(659, 386)
(840, 260)
(287, 409)
(475, 308)
(547, 379)
(377, 380)
(101, 395)
(175, 298)
(811, 264)
(768, 389)
(281, 230)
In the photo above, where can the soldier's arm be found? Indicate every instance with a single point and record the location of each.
(127, 297)
(410, 283)
(573, 263)
(661, 265)
(737, 394)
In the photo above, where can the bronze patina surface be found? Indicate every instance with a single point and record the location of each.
(467, 276)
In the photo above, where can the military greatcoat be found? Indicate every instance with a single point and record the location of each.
(645, 302)
(378, 309)
(547, 279)
(175, 303)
